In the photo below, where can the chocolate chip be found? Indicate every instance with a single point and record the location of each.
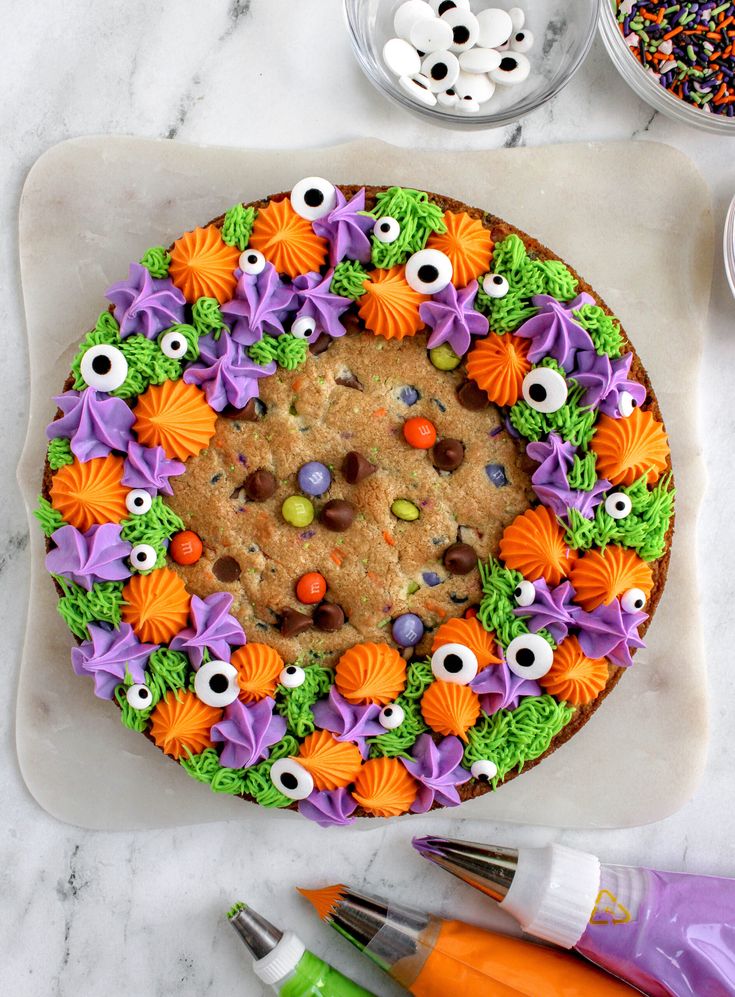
(349, 380)
(294, 623)
(472, 397)
(226, 569)
(250, 413)
(260, 485)
(329, 617)
(356, 468)
(448, 454)
(460, 559)
(320, 345)
(337, 515)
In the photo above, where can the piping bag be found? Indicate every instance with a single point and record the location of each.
(670, 934)
(432, 957)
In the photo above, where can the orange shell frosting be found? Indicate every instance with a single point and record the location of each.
(156, 605)
(90, 493)
(331, 763)
(600, 576)
(628, 448)
(175, 416)
(471, 634)
(203, 266)
(287, 240)
(534, 545)
(384, 787)
(449, 708)
(575, 678)
(390, 306)
(180, 724)
(370, 673)
(258, 667)
(498, 365)
(467, 243)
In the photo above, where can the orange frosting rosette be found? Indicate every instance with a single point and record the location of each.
(203, 266)
(370, 673)
(287, 240)
(534, 545)
(628, 448)
(156, 605)
(331, 763)
(573, 677)
(90, 493)
(449, 708)
(258, 669)
(498, 364)
(175, 416)
(390, 306)
(467, 243)
(470, 634)
(181, 724)
(384, 788)
(600, 576)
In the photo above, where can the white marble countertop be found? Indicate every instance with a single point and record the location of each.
(87, 913)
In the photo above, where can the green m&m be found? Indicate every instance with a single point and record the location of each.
(444, 358)
(403, 509)
(297, 510)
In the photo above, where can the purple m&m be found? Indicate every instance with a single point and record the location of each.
(314, 478)
(407, 630)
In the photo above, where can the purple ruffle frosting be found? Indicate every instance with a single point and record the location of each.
(552, 609)
(346, 229)
(609, 632)
(438, 770)
(316, 301)
(226, 373)
(329, 808)
(150, 468)
(346, 721)
(145, 304)
(212, 628)
(94, 421)
(260, 304)
(247, 732)
(99, 555)
(452, 318)
(550, 482)
(553, 331)
(604, 380)
(109, 655)
(500, 689)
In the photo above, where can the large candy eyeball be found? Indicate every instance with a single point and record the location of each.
(429, 271)
(495, 285)
(454, 663)
(514, 68)
(529, 656)
(138, 501)
(291, 779)
(391, 716)
(442, 7)
(544, 389)
(626, 404)
(633, 600)
(522, 41)
(292, 676)
(252, 262)
(303, 327)
(417, 88)
(386, 229)
(216, 683)
(441, 69)
(143, 557)
(465, 29)
(618, 505)
(313, 197)
(139, 697)
(174, 345)
(524, 593)
(484, 769)
(104, 367)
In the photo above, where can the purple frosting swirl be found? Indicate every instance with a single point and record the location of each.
(605, 380)
(346, 229)
(346, 721)
(212, 628)
(609, 632)
(317, 302)
(453, 320)
(329, 808)
(550, 481)
(99, 555)
(552, 609)
(500, 689)
(553, 331)
(150, 468)
(260, 304)
(145, 304)
(247, 732)
(94, 421)
(109, 655)
(226, 373)
(438, 770)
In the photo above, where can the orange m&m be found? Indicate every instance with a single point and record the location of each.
(311, 588)
(186, 547)
(419, 432)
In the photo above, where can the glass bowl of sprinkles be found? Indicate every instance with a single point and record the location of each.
(678, 57)
(503, 73)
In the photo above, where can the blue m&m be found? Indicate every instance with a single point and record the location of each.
(314, 478)
(407, 630)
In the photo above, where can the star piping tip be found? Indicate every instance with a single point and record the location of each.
(428, 845)
(325, 900)
(235, 909)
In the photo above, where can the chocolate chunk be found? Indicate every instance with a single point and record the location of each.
(320, 345)
(337, 515)
(472, 397)
(294, 623)
(356, 468)
(250, 413)
(460, 559)
(349, 380)
(226, 569)
(329, 617)
(448, 454)
(260, 485)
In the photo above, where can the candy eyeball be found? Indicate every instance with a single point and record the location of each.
(139, 697)
(626, 404)
(252, 262)
(529, 656)
(313, 198)
(465, 29)
(303, 327)
(292, 676)
(429, 271)
(524, 593)
(143, 557)
(484, 770)
(216, 683)
(291, 779)
(618, 505)
(442, 7)
(495, 285)
(441, 69)
(174, 345)
(544, 389)
(514, 68)
(138, 501)
(454, 663)
(633, 600)
(391, 716)
(386, 229)
(522, 41)
(104, 367)
(448, 99)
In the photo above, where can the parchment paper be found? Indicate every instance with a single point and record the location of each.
(91, 205)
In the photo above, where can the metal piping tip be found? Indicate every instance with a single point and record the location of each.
(259, 935)
(489, 868)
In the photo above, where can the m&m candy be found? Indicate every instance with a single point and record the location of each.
(186, 547)
(311, 588)
(419, 432)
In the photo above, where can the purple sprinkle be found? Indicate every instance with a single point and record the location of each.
(442, 408)
(431, 578)
(496, 431)
(496, 474)
(307, 535)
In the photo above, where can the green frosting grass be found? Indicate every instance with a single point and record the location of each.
(417, 216)
(395, 743)
(59, 453)
(238, 226)
(603, 329)
(497, 603)
(157, 261)
(573, 421)
(50, 519)
(257, 779)
(79, 607)
(295, 704)
(207, 317)
(189, 333)
(348, 279)
(287, 351)
(582, 474)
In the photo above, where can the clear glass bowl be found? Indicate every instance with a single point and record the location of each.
(648, 88)
(563, 31)
(728, 246)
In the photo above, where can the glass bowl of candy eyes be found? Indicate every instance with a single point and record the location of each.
(689, 55)
(469, 63)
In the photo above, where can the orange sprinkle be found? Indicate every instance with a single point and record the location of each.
(296, 383)
(388, 539)
(336, 556)
(436, 608)
(379, 412)
(673, 33)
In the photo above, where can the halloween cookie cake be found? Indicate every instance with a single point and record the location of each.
(357, 501)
